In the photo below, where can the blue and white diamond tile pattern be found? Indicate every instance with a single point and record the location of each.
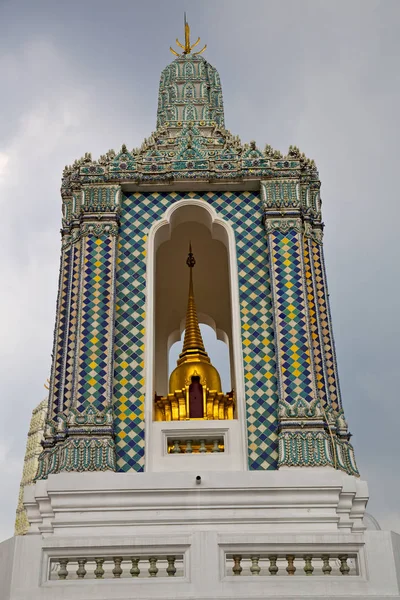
(292, 329)
(243, 211)
(95, 324)
(328, 345)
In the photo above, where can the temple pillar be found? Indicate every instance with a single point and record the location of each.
(79, 429)
(312, 428)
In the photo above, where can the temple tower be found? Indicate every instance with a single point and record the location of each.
(146, 474)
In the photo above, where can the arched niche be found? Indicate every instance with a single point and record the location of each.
(211, 288)
(217, 302)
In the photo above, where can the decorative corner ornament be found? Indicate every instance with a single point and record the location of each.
(81, 442)
(313, 436)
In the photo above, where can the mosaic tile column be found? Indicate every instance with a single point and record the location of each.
(324, 348)
(312, 429)
(79, 432)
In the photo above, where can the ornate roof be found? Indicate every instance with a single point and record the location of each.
(190, 142)
(190, 90)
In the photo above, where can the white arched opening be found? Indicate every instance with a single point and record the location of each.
(217, 299)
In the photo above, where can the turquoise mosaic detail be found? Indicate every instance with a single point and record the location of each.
(296, 375)
(190, 90)
(243, 211)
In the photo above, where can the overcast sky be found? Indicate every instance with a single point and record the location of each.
(82, 76)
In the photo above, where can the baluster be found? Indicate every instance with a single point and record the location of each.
(344, 567)
(81, 571)
(326, 567)
(117, 570)
(308, 568)
(202, 447)
(189, 448)
(237, 567)
(54, 566)
(171, 569)
(255, 567)
(176, 448)
(291, 569)
(153, 570)
(273, 567)
(135, 571)
(215, 447)
(99, 571)
(62, 572)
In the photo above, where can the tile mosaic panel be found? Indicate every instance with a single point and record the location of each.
(60, 335)
(243, 211)
(92, 386)
(318, 358)
(295, 366)
(326, 325)
(70, 354)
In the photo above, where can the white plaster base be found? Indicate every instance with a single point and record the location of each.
(295, 511)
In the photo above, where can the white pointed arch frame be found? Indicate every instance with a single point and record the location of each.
(186, 210)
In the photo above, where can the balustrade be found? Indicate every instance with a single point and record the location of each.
(306, 564)
(195, 446)
(116, 567)
(239, 565)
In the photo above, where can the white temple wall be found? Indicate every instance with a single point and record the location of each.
(7, 549)
(205, 569)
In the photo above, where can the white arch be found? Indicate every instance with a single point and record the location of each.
(180, 212)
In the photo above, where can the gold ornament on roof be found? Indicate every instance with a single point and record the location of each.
(188, 47)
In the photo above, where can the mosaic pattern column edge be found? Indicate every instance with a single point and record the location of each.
(82, 439)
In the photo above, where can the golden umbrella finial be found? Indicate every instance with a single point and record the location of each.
(188, 47)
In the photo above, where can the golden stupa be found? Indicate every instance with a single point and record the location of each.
(194, 385)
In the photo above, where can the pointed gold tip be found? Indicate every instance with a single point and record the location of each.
(193, 340)
(187, 47)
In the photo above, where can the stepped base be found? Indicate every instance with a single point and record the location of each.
(286, 534)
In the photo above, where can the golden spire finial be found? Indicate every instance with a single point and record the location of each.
(193, 341)
(188, 47)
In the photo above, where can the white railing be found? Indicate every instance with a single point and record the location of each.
(204, 445)
(304, 564)
(116, 567)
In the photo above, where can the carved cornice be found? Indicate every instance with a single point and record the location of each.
(78, 454)
(66, 441)
(311, 435)
(100, 198)
(200, 150)
(96, 229)
(283, 224)
(300, 409)
(313, 232)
